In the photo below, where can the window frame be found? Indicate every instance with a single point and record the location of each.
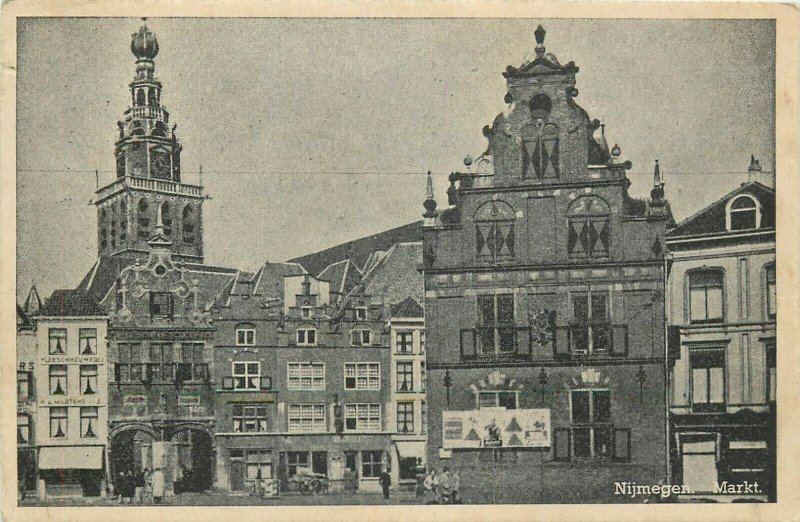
(58, 418)
(305, 331)
(593, 426)
(25, 378)
(85, 415)
(87, 334)
(313, 366)
(405, 418)
(771, 283)
(708, 406)
(590, 326)
(313, 419)
(404, 377)
(89, 372)
(245, 336)
(360, 313)
(23, 438)
(245, 376)
(699, 272)
(496, 327)
(372, 463)
(363, 422)
(170, 304)
(250, 412)
(496, 393)
(590, 218)
(355, 376)
(360, 337)
(54, 371)
(51, 335)
(404, 342)
(730, 212)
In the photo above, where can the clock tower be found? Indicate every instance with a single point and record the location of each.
(148, 168)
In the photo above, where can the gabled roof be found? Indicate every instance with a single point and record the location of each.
(269, 279)
(33, 303)
(407, 308)
(359, 250)
(342, 275)
(711, 219)
(396, 276)
(71, 303)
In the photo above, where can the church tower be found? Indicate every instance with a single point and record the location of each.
(148, 159)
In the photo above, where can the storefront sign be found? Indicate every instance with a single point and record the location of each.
(86, 359)
(134, 400)
(69, 401)
(188, 400)
(496, 427)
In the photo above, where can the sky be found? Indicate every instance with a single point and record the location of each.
(312, 132)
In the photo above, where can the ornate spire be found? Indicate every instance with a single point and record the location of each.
(657, 194)
(144, 44)
(539, 33)
(429, 203)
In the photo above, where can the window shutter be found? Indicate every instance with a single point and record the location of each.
(619, 346)
(561, 444)
(622, 445)
(561, 342)
(468, 344)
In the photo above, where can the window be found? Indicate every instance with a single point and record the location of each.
(705, 296)
(371, 463)
(423, 376)
(58, 379)
(295, 460)
(306, 336)
(87, 343)
(193, 366)
(591, 331)
(89, 423)
(249, 418)
(24, 386)
(422, 342)
(58, 422)
(143, 220)
(405, 376)
(708, 380)
(405, 417)
(744, 213)
(307, 418)
(258, 464)
(590, 412)
(772, 375)
(305, 312)
(88, 379)
(497, 399)
(129, 367)
(188, 224)
(589, 231)
(123, 209)
(362, 417)
(362, 376)
(246, 375)
(361, 313)
(423, 410)
(306, 376)
(405, 342)
(161, 305)
(23, 429)
(58, 341)
(360, 337)
(772, 296)
(245, 336)
(160, 368)
(494, 231)
(496, 325)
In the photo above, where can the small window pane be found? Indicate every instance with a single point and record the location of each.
(716, 387)
(601, 406)
(580, 406)
(699, 385)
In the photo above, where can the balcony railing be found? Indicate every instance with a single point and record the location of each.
(159, 185)
(148, 112)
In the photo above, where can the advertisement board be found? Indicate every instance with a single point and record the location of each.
(496, 427)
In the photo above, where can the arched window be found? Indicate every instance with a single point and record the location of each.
(140, 97)
(160, 130)
(743, 212)
(103, 229)
(188, 225)
(494, 231)
(589, 224)
(151, 97)
(166, 219)
(706, 295)
(112, 226)
(123, 221)
(143, 220)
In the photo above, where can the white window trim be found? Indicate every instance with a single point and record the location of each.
(245, 331)
(312, 388)
(306, 312)
(729, 209)
(358, 428)
(361, 336)
(306, 343)
(414, 342)
(344, 373)
(245, 375)
(359, 308)
(300, 405)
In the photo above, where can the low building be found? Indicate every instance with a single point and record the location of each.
(70, 376)
(722, 315)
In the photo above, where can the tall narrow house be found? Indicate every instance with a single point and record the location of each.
(544, 307)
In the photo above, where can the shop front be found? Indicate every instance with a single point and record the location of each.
(72, 471)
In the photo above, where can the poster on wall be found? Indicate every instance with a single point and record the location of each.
(495, 428)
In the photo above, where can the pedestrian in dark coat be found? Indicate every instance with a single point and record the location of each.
(385, 481)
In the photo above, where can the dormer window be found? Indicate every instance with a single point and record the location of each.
(306, 336)
(361, 313)
(360, 337)
(743, 213)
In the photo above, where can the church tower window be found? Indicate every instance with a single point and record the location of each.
(188, 225)
(143, 220)
(166, 219)
(123, 221)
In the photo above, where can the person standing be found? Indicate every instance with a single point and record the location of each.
(445, 484)
(158, 485)
(138, 482)
(430, 484)
(385, 481)
(148, 486)
(456, 485)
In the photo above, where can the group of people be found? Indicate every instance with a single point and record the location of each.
(140, 487)
(442, 487)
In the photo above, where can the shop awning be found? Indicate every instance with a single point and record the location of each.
(71, 457)
(411, 448)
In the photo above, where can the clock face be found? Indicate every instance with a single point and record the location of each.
(160, 166)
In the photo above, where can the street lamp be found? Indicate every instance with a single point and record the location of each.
(448, 381)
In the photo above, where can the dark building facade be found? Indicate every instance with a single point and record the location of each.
(544, 307)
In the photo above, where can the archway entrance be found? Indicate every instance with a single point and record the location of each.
(194, 460)
(131, 450)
